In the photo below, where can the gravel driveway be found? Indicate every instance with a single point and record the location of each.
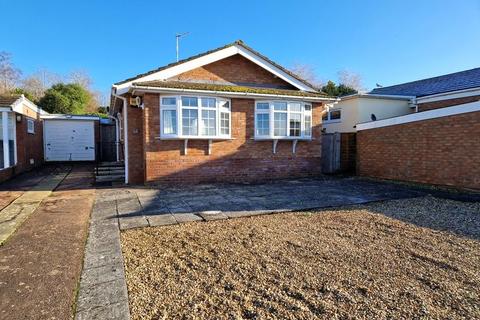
(365, 261)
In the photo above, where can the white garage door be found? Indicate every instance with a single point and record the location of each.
(69, 140)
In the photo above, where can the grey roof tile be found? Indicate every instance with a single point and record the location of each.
(450, 82)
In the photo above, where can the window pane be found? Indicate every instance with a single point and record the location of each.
(190, 122)
(208, 102)
(295, 124)
(334, 115)
(190, 101)
(308, 107)
(325, 116)
(225, 104)
(308, 125)
(169, 121)
(208, 122)
(224, 123)
(262, 106)
(280, 106)
(169, 101)
(263, 125)
(296, 107)
(280, 124)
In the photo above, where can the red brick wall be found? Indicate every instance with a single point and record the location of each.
(235, 69)
(29, 146)
(136, 163)
(446, 103)
(442, 151)
(239, 159)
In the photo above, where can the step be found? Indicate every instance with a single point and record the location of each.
(111, 165)
(109, 178)
(109, 169)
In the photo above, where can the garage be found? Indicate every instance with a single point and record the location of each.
(69, 138)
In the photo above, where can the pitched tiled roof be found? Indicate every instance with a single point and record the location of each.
(450, 82)
(238, 42)
(226, 88)
(8, 99)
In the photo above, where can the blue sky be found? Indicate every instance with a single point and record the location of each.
(386, 42)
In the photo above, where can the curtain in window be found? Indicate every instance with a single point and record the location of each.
(170, 122)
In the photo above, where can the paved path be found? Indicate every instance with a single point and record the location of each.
(41, 262)
(165, 206)
(103, 290)
(14, 214)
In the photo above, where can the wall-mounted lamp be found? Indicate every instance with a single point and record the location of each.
(19, 118)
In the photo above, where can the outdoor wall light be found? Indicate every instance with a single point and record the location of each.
(19, 118)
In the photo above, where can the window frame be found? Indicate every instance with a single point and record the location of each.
(271, 119)
(219, 108)
(30, 130)
(329, 114)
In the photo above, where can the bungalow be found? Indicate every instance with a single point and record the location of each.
(21, 135)
(230, 114)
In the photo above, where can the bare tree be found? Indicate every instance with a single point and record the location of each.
(9, 74)
(80, 77)
(307, 72)
(350, 79)
(37, 83)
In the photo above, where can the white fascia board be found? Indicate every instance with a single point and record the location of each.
(376, 96)
(450, 95)
(17, 106)
(68, 117)
(229, 94)
(421, 116)
(213, 57)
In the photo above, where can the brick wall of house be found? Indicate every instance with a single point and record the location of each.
(136, 163)
(239, 159)
(446, 103)
(234, 69)
(441, 151)
(29, 146)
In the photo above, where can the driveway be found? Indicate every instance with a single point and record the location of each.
(167, 205)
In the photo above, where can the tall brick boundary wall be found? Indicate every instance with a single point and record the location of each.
(426, 106)
(439, 151)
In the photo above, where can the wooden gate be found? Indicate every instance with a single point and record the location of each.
(108, 148)
(331, 152)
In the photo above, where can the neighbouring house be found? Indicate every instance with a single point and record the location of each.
(227, 115)
(439, 144)
(438, 92)
(21, 135)
(344, 115)
(402, 99)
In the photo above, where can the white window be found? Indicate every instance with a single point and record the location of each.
(194, 117)
(283, 120)
(332, 116)
(30, 126)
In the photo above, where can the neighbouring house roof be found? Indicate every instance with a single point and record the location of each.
(7, 100)
(462, 80)
(226, 88)
(237, 43)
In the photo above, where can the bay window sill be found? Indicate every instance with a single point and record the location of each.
(282, 138)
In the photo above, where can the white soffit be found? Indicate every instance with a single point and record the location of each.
(420, 116)
(213, 57)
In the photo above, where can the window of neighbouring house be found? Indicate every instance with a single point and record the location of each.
(332, 116)
(30, 126)
(283, 120)
(194, 117)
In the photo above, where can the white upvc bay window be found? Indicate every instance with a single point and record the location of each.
(283, 120)
(194, 117)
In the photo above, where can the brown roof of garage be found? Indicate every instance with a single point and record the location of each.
(6, 100)
(226, 88)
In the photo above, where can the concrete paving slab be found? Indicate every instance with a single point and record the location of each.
(115, 311)
(101, 294)
(187, 217)
(106, 273)
(132, 222)
(161, 220)
(212, 215)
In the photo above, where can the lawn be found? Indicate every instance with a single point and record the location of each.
(409, 258)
